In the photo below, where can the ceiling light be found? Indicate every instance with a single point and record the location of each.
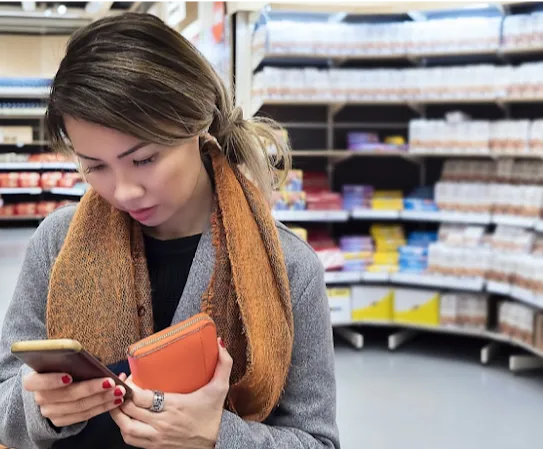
(62, 9)
(47, 13)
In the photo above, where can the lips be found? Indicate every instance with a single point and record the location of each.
(142, 215)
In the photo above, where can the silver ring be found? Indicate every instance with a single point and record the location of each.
(158, 402)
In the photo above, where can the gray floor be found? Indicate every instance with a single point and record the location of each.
(430, 394)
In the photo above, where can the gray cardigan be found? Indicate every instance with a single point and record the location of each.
(306, 416)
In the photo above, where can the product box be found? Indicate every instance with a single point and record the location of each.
(339, 300)
(449, 310)
(293, 181)
(300, 232)
(372, 303)
(387, 200)
(16, 134)
(416, 307)
(538, 331)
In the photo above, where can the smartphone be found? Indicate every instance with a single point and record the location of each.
(64, 356)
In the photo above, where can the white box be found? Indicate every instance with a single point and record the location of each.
(339, 300)
(448, 309)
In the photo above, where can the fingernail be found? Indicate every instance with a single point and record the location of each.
(66, 380)
(118, 401)
(221, 343)
(106, 385)
(118, 392)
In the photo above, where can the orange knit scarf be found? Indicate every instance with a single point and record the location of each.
(100, 281)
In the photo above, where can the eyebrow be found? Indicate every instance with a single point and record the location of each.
(120, 156)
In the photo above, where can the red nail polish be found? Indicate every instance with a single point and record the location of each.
(118, 401)
(221, 343)
(66, 380)
(106, 385)
(118, 392)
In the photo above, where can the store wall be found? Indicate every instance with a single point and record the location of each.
(31, 56)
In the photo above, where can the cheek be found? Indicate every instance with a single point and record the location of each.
(103, 185)
(176, 176)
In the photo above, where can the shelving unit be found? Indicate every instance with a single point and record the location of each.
(317, 128)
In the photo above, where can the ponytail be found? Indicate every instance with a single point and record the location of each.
(246, 143)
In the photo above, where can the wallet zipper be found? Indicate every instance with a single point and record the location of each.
(166, 335)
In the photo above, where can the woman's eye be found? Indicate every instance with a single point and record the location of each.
(145, 161)
(93, 169)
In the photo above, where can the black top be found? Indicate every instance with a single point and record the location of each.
(169, 263)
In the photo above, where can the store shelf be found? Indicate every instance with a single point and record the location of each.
(526, 346)
(374, 214)
(20, 165)
(333, 57)
(21, 218)
(413, 103)
(457, 330)
(499, 288)
(539, 226)
(9, 114)
(375, 277)
(20, 191)
(511, 220)
(412, 154)
(438, 281)
(446, 217)
(521, 50)
(22, 92)
(38, 166)
(311, 215)
(321, 153)
(526, 296)
(37, 143)
(342, 277)
(367, 8)
(59, 165)
(75, 191)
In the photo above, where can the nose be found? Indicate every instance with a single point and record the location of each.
(128, 193)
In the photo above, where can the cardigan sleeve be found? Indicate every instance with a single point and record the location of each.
(306, 415)
(21, 423)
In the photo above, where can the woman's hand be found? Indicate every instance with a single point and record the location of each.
(66, 403)
(188, 421)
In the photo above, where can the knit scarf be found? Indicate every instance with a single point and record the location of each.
(100, 295)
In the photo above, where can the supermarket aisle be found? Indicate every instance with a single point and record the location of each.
(430, 394)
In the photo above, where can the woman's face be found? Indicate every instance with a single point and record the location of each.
(151, 182)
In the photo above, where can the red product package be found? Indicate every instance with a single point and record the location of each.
(327, 250)
(29, 180)
(9, 180)
(51, 179)
(26, 209)
(324, 201)
(69, 180)
(316, 182)
(46, 207)
(7, 211)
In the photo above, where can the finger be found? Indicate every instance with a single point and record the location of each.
(34, 382)
(78, 391)
(133, 429)
(143, 415)
(123, 377)
(68, 420)
(142, 398)
(221, 376)
(80, 406)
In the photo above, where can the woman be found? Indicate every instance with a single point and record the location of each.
(171, 227)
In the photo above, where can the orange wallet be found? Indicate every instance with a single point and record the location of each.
(179, 359)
